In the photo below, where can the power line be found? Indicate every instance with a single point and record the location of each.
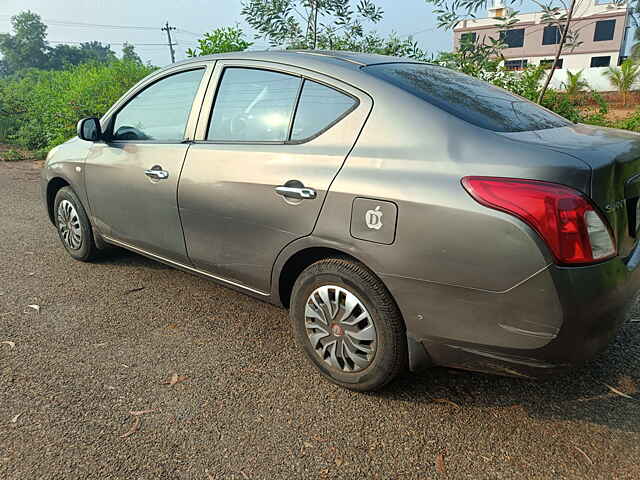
(69, 23)
(109, 43)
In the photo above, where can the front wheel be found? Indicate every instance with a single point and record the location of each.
(73, 226)
(348, 324)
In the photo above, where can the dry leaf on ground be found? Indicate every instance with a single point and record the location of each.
(174, 379)
(135, 426)
(7, 342)
(618, 392)
(584, 454)
(446, 401)
(34, 307)
(137, 413)
(440, 467)
(16, 417)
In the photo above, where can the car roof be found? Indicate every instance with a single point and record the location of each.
(305, 58)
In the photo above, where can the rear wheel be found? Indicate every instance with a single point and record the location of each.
(348, 324)
(73, 226)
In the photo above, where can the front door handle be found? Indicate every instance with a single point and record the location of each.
(157, 173)
(299, 193)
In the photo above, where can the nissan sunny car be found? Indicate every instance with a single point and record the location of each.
(407, 215)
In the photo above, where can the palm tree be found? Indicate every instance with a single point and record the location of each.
(574, 84)
(624, 77)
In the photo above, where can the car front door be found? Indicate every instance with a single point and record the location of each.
(132, 176)
(269, 143)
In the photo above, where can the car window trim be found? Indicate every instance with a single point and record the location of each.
(288, 141)
(197, 100)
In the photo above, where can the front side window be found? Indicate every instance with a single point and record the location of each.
(513, 38)
(604, 30)
(160, 112)
(319, 108)
(253, 106)
(468, 98)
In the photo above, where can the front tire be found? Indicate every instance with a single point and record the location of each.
(73, 226)
(348, 324)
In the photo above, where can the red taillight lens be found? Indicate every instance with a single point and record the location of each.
(566, 220)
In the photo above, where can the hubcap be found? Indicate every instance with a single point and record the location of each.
(340, 329)
(69, 225)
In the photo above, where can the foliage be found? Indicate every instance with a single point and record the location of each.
(632, 122)
(27, 47)
(304, 24)
(574, 83)
(44, 106)
(624, 77)
(129, 53)
(12, 155)
(221, 40)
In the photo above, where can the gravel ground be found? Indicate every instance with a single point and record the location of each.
(246, 404)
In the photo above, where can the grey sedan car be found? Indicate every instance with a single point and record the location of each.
(406, 214)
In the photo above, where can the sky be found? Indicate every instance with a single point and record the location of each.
(192, 18)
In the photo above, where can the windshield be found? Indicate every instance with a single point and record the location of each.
(468, 98)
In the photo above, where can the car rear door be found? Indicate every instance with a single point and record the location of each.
(270, 140)
(132, 176)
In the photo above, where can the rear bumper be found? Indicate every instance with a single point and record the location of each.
(558, 318)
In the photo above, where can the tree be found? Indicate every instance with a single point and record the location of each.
(624, 77)
(64, 56)
(221, 40)
(129, 53)
(310, 23)
(27, 47)
(574, 84)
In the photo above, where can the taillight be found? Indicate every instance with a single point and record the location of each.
(565, 219)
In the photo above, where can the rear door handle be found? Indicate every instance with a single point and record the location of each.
(157, 173)
(299, 193)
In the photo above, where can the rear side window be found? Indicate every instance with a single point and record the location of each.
(320, 107)
(468, 98)
(253, 106)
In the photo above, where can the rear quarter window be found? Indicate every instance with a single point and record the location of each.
(468, 98)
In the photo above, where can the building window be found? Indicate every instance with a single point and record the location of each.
(604, 30)
(551, 35)
(600, 61)
(513, 38)
(548, 63)
(469, 37)
(515, 64)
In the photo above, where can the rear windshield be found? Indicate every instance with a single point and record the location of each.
(468, 98)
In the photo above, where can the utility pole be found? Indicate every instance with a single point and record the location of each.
(168, 29)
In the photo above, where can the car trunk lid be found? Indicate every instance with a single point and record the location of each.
(614, 159)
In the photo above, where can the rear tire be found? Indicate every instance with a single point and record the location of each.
(348, 324)
(73, 226)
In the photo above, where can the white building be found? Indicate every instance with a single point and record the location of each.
(603, 30)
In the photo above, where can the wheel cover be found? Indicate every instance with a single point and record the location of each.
(340, 329)
(69, 225)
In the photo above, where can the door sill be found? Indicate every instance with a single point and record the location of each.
(184, 267)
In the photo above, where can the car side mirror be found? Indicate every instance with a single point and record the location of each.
(89, 129)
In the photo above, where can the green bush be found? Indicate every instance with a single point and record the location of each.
(12, 156)
(632, 122)
(43, 107)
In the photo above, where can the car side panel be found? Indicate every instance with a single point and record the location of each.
(448, 249)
